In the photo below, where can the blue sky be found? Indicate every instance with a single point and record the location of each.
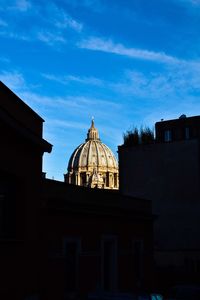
(125, 62)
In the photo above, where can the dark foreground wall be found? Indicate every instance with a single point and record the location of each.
(21, 150)
(110, 234)
(168, 174)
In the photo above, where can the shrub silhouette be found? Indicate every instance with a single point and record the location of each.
(135, 137)
(131, 137)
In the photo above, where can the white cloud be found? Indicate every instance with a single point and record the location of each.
(15, 5)
(195, 2)
(71, 104)
(22, 5)
(3, 23)
(50, 38)
(175, 82)
(14, 80)
(71, 78)
(191, 2)
(86, 80)
(60, 19)
(52, 27)
(4, 59)
(16, 36)
(65, 21)
(52, 77)
(94, 5)
(99, 44)
(67, 124)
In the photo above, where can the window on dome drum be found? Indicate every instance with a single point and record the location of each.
(73, 179)
(83, 178)
(107, 179)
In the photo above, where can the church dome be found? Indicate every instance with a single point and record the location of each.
(92, 163)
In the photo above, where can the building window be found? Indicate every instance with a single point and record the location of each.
(71, 254)
(7, 207)
(138, 260)
(109, 263)
(187, 133)
(167, 135)
(2, 213)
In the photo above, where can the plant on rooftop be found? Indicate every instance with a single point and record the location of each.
(131, 137)
(146, 135)
(135, 137)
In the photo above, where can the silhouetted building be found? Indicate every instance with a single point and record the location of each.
(21, 150)
(61, 241)
(168, 173)
(96, 240)
(180, 129)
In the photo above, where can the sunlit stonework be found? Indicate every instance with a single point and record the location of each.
(93, 164)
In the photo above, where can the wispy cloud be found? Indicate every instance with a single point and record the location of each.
(191, 2)
(52, 77)
(61, 113)
(66, 21)
(14, 80)
(67, 124)
(83, 103)
(53, 25)
(195, 2)
(4, 59)
(15, 36)
(176, 82)
(15, 5)
(108, 46)
(93, 5)
(22, 5)
(50, 38)
(72, 78)
(3, 23)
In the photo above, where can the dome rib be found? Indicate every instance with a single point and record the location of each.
(81, 154)
(73, 156)
(89, 150)
(106, 156)
(115, 163)
(97, 151)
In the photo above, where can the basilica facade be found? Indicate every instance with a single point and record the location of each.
(93, 164)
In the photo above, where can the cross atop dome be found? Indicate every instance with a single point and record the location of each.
(92, 120)
(93, 133)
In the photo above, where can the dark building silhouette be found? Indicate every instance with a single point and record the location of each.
(180, 129)
(60, 241)
(168, 173)
(96, 240)
(21, 150)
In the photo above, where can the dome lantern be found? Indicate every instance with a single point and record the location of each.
(92, 132)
